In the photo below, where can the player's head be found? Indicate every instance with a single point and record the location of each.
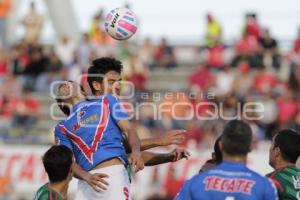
(67, 92)
(58, 162)
(285, 147)
(208, 165)
(104, 76)
(236, 138)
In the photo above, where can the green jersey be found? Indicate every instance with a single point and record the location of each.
(287, 181)
(45, 193)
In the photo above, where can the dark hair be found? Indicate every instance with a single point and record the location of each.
(57, 162)
(217, 151)
(237, 138)
(65, 108)
(288, 141)
(100, 67)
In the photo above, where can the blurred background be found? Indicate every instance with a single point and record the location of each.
(223, 52)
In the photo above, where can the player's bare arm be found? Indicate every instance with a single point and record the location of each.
(151, 159)
(135, 145)
(175, 137)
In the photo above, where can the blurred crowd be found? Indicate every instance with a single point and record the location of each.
(250, 69)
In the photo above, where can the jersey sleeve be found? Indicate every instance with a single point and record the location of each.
(116, 108)
(184, 193)
(61, 138)
(270, 190)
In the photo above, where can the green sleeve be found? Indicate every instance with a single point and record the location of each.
(42, 196)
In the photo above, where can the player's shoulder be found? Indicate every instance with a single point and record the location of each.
(283, 173)
(258, 177)
(42, 193)
(59, 124)
(291, 170)
(274, 173)
(192, 185)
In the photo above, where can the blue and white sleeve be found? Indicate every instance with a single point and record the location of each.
(61, 138)
(116, 108)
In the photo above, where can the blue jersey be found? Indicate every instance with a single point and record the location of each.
(91, 131)
(228, 181)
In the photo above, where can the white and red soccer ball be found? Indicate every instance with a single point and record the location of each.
(120, 23)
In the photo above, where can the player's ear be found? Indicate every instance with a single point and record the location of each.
(213, 155)
(277, 152)
(221, 145)
(71, 172)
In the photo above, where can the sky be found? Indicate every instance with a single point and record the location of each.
(184, 20)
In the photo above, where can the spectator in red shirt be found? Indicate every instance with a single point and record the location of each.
(297, 43)
(202, 77)
(247, 45)
(288, 108)
(3, 63)
(7, 106)
(252, 27)
(26, 113)
(8, 84)
(246, 49)
(8, 101)
(215, 56)
(265, 81)
(294, 54)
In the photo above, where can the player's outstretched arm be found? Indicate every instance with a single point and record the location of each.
(170, 137)
(151, 159)
(96, 181)
(135, 145)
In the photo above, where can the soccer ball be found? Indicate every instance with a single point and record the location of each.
(120, 23)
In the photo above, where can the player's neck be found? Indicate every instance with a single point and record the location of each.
(61, 188)
(282, 164)
(230, 158)
(75, 100)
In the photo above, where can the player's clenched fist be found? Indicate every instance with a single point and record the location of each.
(136, 161)
(179, 154)
(97, 182)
